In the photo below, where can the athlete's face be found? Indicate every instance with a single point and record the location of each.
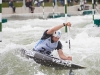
(55, 39)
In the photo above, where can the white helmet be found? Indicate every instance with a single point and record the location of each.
(57, 34)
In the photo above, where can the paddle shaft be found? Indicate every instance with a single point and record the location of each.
(69, 38)
(69, 44)
(71, 72)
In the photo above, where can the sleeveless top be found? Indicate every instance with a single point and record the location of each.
(45, 44)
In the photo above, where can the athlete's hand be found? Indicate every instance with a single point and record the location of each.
(68, 24)
(69, 58)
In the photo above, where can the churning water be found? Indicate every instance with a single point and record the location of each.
(18, 34)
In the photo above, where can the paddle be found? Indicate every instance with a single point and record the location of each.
(69, 39)
(70, 72)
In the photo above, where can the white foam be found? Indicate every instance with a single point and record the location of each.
(84, 38)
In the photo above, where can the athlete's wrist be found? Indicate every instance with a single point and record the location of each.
(67, 24)
(64, 24)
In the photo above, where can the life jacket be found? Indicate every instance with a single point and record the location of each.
(45, 46)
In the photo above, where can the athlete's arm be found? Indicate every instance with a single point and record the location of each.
(60, 52)
(51, 31)
(62, 56)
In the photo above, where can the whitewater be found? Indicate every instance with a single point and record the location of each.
(19, 34)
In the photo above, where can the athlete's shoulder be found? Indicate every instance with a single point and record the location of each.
(59, 43)
(45, 35)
